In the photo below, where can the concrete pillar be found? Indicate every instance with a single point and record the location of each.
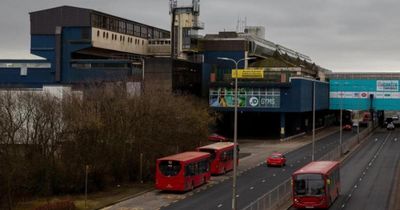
(282, 123)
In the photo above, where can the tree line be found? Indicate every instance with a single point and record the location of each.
(46, 142)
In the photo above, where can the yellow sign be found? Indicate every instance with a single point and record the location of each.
(249, 73)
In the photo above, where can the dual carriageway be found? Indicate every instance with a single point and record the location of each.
(367, 177)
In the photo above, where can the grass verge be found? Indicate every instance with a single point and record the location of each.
(94, 201)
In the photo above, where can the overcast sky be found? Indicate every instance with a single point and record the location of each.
(341, 35)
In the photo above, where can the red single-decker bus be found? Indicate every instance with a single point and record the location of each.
(221, 156)
(316, 185)
(183, 171)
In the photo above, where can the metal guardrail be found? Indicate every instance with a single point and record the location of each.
(283, 193)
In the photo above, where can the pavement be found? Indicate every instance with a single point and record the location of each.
(256, 151)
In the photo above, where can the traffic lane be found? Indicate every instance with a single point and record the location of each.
(352, 167)
(349, 166)
(250, 183)
(373, 189)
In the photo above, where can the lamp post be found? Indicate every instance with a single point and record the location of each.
(235, 128)
(142, 59)
(313, 124)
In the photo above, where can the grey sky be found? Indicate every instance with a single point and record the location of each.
(341, 35)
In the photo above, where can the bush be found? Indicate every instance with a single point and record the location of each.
(59, 205)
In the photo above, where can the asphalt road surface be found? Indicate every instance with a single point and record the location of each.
(367, 176)
(257, 181)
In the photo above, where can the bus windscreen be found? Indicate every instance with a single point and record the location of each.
(169, 168)
(309, 185)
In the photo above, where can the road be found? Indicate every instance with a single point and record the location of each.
(257, 181)
(367, 176)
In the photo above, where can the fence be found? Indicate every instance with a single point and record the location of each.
(282, 193)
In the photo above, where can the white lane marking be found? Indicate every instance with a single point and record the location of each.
(219, 205)
(273, 174)
(263, 180)
(251, 188)
(237, 196)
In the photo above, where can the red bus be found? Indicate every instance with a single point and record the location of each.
(316, 185)
(221, 156)
(183, 171)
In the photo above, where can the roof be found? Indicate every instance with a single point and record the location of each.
(321, 167)
(365, 75)
(219, 145)
(69, 12)
(185, 156)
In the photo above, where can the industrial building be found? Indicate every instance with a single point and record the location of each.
(79, 46)
(279, 104)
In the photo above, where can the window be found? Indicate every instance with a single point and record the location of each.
(107, 35)
(156, 34)
(122, 27)
(23, 71)
(309, 184)
(104, 34)
(136, 30)
(169, 168)
(143, 32)
(129, 28)
(211, 151)
(142, 42)
(98, 33)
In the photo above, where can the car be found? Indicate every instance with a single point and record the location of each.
(390, 126)
(347, 127)
(276, 159)
(217, 138)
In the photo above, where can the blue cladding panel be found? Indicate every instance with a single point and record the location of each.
(298, 98)
(38, 76)
(44, 46)
(84, 75)
(356, 94)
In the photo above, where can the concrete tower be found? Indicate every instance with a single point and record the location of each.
(184, 29)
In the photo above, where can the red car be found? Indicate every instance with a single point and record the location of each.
(216, 137)
(347, 127)
(276, 159)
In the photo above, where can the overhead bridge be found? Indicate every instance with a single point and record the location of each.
(364, 91)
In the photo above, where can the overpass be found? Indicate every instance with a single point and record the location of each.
(364, 91)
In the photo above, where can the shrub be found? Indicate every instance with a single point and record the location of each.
(59, 205)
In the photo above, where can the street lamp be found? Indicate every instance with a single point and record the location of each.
(235, 127)
(341, 119)
(313, 124)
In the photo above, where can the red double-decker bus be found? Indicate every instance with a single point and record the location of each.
(183, 171)
(316, 185)
(221, 156)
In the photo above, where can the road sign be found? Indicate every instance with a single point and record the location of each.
(256, 73)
